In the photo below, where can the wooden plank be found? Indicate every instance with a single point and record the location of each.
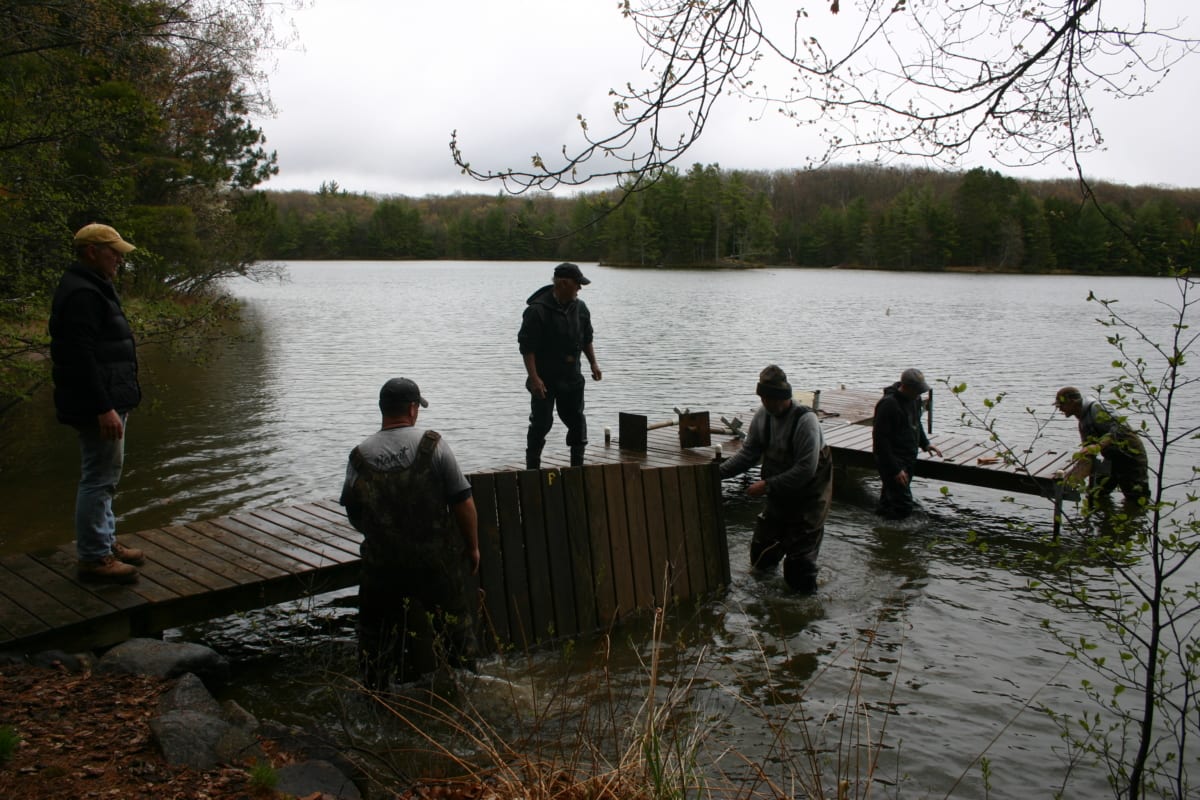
(639, 549)
(272, 537)
(17, 622)
(491, 562)
(173, 571)
(129, 596)
(341, 535)
(579, 548)
(964, 450)
(219, 558)
(21, 585)
(715, 556)
(681, 583)
(696, 547)
(279, 527)
(331, 511)
(558, 552)
(618, 532)
(1046, 462)
(537, 562)
(603, 579)
(512, 540)
(656, 535)
(67, 591)
(339, 548)
(255, 546)
(718, 511)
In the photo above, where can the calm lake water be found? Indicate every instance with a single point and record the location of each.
(956, 647)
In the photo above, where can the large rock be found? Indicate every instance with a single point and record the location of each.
(308, 778)
(193, 729)
(166, 660)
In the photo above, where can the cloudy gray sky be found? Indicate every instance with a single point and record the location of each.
(370, 95)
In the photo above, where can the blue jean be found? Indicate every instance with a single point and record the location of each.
(102, 460)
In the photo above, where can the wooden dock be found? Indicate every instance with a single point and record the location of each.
(846, 417)
(564, 551)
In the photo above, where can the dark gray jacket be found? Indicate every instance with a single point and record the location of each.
(92, 346)
(556, 335)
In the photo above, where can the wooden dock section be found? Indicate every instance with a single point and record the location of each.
(846, 417)
(564, 551)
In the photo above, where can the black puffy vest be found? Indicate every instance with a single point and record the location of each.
(103, 374)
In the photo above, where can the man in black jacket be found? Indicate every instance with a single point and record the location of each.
(95, 388)
(556, 328)
(896, 437)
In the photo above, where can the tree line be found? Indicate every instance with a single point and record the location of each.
(135, 114)
(856, 216)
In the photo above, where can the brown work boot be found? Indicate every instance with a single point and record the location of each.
(130, 555)
(106, 570)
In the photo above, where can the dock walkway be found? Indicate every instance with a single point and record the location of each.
(635, 521)
(846, 417)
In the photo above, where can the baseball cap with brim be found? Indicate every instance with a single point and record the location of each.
(915, 378)
(95, 233)
(1065, 395)
(399, 392)
(572, 271)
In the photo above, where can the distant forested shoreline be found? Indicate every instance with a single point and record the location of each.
(851, 217)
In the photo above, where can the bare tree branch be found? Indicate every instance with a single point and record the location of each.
(931, 79)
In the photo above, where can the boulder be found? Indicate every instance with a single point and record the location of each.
(166, 660)
(310, 777)
(193, 729)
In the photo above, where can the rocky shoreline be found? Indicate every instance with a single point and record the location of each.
(140, 721)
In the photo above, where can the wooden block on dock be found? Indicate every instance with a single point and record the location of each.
(631, 431)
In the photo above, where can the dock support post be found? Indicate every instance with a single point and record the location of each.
(1058, 502)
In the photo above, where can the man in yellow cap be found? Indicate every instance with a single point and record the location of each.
(95, 388)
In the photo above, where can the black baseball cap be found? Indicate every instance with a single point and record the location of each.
(397, 393)
(569, 270)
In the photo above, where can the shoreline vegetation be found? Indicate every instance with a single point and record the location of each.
(843, 217)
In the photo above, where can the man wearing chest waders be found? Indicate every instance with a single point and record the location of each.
(796, 479)
(1112, 454)
(407, 496)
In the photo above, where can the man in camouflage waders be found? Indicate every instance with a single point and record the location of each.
(405, 493)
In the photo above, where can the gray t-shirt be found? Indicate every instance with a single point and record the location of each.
(396, 448)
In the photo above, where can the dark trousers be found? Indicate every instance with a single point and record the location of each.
(1129, 473)
(412, 620)
(895, 499)
(793, 538)
(567, 397)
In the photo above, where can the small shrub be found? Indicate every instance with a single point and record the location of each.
(10, 740)
(263, 776)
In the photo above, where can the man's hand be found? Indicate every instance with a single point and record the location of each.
(595, 372)
(111, 428)
(472, 555)
(903, 478)
(536, 387)
(932, 450)
(757, 489)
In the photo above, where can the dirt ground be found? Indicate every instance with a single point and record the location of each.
(88, 736)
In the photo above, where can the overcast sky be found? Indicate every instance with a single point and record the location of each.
(373, 90)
